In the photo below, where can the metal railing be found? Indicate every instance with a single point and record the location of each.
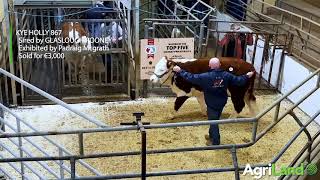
(269, 41)
(305, 30)
(298, 10)
(85, 64)
(236, 168)
(193, 18)
(4, 63)
(177, 10)
(76, 76)
(191, 28)
(20, 145)
(263, 8)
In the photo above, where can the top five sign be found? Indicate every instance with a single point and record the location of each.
(153, 49)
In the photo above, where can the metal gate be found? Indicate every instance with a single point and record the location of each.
(173, 19)
(69, 162)
(266, 51)
(70, 75)
(261, 45)
(4, 64)
(191, 20)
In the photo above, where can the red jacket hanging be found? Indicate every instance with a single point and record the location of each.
(238, 45)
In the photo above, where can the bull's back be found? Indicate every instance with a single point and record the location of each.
(239, 67)
(195, 67)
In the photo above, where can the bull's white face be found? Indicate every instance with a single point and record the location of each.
(159, 70)
(76, 36)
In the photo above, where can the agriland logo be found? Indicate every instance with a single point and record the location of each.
(258, 172)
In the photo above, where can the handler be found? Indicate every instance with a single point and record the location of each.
(214, 84)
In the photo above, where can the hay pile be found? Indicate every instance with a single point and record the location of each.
(159, 110)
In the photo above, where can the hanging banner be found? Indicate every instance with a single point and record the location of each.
(152, 50)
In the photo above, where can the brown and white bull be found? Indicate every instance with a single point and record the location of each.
(76, 33)
(240, 95)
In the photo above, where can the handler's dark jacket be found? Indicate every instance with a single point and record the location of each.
(97, 12)
(214, 84)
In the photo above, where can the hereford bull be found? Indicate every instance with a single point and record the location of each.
(75, 32)
(240, 95)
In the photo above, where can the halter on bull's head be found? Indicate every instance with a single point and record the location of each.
(162, 70)
(75, 31)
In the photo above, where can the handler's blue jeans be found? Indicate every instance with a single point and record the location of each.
(214, 134)
(95, 29)
(106, 59)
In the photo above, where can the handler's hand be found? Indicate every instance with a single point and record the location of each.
(250, 74)
(176, 69)
(114, 40)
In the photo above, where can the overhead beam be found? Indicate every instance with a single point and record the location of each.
(53, 4)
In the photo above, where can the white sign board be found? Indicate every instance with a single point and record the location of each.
(151, 51)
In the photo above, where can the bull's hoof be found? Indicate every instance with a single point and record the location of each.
(234, 115)
(171, 117)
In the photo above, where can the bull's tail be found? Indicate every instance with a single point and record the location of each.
(251, 87)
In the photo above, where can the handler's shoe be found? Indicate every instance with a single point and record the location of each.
(207, 137)
(209, 141)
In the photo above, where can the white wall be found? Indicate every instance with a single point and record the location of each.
(293, 73)
(258, 59)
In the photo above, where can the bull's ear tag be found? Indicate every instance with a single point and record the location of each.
(230, 69)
